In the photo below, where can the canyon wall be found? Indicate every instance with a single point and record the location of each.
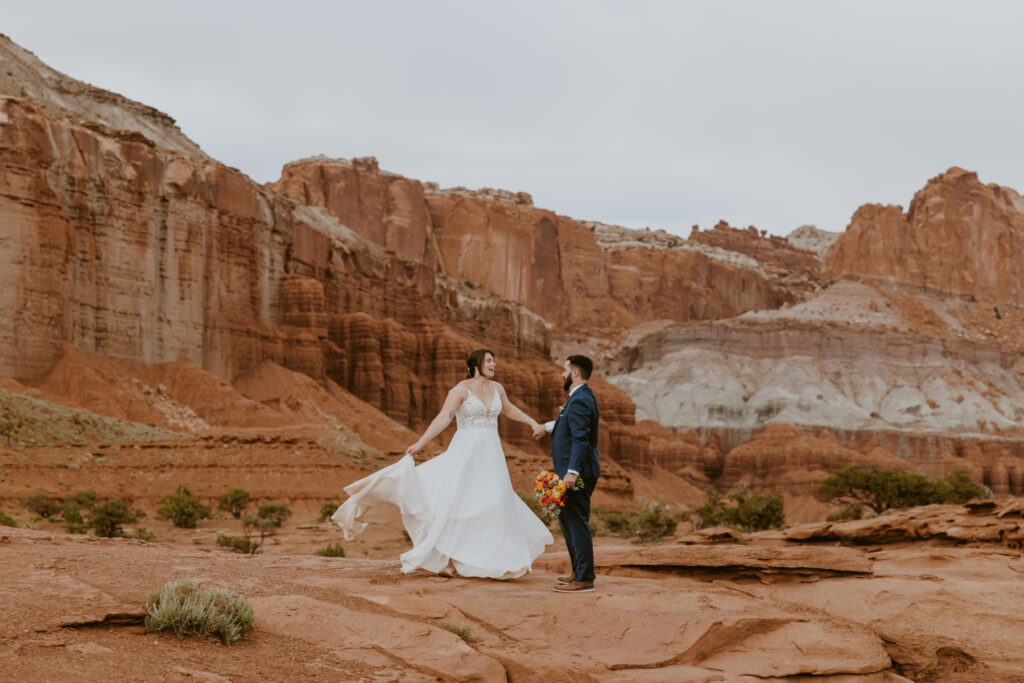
(958, 236)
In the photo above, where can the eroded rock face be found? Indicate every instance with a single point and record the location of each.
(959, 236)
(555, 266)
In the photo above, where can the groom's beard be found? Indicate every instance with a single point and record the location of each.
(567, 384)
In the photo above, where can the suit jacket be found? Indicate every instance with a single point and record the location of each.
(574, 437)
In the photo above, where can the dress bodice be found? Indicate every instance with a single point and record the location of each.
(473, 414)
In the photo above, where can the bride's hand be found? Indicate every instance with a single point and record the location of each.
(411, 450)
(538, 430)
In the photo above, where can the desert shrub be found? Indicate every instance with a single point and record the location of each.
(7, 520)
(7, 429)
(959, 488)
(183, 508)
(41, 504)
(463, 631)
(275, 513)
(238, 544)
(885, 489)
(268, 518)
(326, 510)
(234, 502)
(854, 511)
(83, 499)
(144, 534)
(741, 509)
(182, 607)
(73, 521)
(107, 517)
(651, 521)
(334, 550)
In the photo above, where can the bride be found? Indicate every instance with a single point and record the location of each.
(459, 508)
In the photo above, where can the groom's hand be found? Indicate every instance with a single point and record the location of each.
(570, 481)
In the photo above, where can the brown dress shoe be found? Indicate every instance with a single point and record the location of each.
(576, 587)
(564, 579)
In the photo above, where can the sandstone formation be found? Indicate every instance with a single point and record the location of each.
(958, 236)
(583, 279)
(773, 251)
(767, 611)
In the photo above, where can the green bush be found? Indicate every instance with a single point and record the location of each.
(107, 517)
(268, 518)
(83, 499)
(73, 521)
(183, 608)
(41, 504)
(183, 508)
(326, 510)
(885, 489)
(651, 521)
(275, 513)
(234, 502)
(144, 534)
(237, 544)
(743, 510)
(331, 551)
(7, 520)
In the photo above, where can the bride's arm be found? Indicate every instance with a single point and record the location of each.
(444, 418)
(514, 413)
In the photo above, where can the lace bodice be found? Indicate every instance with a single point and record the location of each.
(473, 414)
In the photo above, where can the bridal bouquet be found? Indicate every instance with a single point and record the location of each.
(550, 491)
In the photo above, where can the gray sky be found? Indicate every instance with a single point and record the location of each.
(660, 114)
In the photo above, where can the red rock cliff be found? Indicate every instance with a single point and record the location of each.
(958, 236)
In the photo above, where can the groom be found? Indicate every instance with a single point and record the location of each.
(574, 455)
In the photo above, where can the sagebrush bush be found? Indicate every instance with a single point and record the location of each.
(182, 607)
(183, 508)
(144, 534)
(334, 550)
(274, 513)
(42, 504)
(234, 502)
(107, 517)
(741, 509)
(246, 546)
(326, 510)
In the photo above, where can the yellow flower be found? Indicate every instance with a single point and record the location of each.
(560, 488)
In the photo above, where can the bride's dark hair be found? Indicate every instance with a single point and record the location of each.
(475, 362)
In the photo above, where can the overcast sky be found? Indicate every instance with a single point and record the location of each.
(660, 114)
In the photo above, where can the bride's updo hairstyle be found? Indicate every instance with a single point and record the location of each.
(475, 362)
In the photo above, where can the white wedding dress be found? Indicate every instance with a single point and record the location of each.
(459, 506)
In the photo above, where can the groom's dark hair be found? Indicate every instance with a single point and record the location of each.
(583, 364)
(476, 362)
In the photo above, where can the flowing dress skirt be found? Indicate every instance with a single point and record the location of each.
(459, 506)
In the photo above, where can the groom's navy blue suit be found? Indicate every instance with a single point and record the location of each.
(574, 447)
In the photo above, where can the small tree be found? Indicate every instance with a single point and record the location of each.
(41, 504)
(73, 521)
(234, 502)
(887, 489)
(183, 508)
(7, 520)
(83, 499)
(741, 509)
(268, 518)
(107, 517)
